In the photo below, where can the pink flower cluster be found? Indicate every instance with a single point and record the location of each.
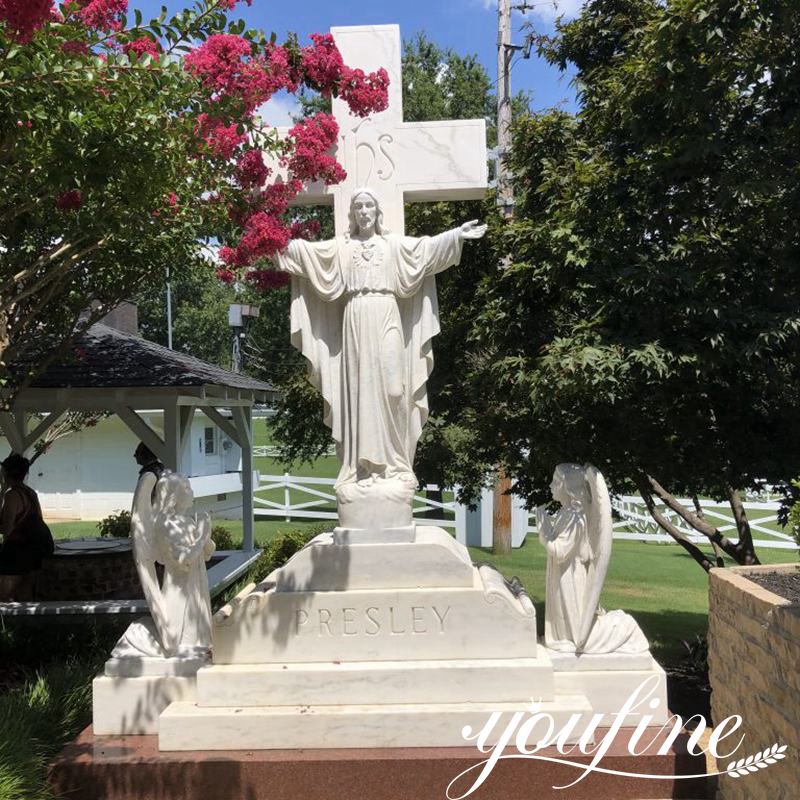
(266, 279)
(324, 70)
(322, 63)
(362, 91)
(308, 229)
(264, 236)
(142, 45)
(251, 171)
(23, 17)
(221, 139)
(225, 65)
(309, 161)
(102, 15)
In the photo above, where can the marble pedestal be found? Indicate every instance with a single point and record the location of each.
(385, 644)
(133, 690)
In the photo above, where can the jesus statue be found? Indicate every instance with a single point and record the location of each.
(364, 313)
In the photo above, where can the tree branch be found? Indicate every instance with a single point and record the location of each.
(690, 518)
(694, 551)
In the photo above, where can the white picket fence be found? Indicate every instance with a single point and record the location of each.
(295, 497)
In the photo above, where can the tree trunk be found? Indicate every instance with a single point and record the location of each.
(501, 516)
(699, 511)
(745, 546)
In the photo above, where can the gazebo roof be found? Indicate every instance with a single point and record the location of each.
(104, 358)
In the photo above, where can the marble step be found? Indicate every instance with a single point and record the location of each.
(366, 682)
(186, 726)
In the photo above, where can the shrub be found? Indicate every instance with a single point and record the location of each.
(794, 516)
(222, 538)
(116, 525)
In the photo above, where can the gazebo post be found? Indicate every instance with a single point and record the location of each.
(243, 419)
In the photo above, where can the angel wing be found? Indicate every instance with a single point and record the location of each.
(600, 535)
(145, 549)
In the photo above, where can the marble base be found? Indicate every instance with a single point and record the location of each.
(133, 690)
(376, 682)
(608, 689)
(187, 726)
(376, 505)
(123, 706)
(347, 536)
(605, 662)
(335, 562)
(377, 602)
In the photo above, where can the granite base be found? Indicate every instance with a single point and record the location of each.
(132, 768)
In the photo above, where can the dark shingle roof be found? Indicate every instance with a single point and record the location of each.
(104, 357)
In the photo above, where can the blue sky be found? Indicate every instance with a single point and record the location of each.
(467, 26)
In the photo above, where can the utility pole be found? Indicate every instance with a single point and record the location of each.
(501, 516)
(169, 312)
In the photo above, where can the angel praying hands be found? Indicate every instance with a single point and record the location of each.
(578, 543)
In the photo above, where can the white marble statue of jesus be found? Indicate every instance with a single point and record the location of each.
(364, 313)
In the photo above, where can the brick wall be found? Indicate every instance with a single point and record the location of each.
(754, 665)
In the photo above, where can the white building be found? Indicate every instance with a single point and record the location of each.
(91, 473)
(196, 417)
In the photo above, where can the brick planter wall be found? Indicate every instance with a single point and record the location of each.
(754, 668)
(89, 576)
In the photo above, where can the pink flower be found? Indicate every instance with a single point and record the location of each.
(221, 139)
(281, 70)
(102, 15)
(264, 236)
(364, 94)
(224, 64)
(276, 197)
(266, 279)
(251, 171)
(70, 200)
(228, 5)
(312, 137)
(322, 63)
(225, 275)
(308, 229)
(75, 48)
(24, 17)
(142, 45)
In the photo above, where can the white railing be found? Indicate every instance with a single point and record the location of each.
(273, 451)
(295, 497)
(295, 492)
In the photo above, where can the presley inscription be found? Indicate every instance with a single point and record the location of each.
(372, 621)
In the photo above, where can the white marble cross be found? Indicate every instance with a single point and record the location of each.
(401, 161)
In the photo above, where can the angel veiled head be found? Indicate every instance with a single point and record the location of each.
(569, 486)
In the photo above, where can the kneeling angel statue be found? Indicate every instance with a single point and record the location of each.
(578, 543)
(164, 532)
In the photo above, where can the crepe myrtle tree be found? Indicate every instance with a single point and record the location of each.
(126, 144)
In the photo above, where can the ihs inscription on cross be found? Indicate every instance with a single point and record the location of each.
(402, 161)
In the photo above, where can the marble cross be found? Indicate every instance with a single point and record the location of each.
(402, 161)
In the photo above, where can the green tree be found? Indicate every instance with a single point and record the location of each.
(199, 312)
(649, 322)
(125, 145)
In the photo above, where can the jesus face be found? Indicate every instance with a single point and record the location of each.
(366, 212)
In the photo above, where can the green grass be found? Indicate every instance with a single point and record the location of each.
(660, 585)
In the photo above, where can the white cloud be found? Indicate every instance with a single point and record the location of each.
(278, 111)
(547, 10)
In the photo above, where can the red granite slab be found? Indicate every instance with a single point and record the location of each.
(132, 768)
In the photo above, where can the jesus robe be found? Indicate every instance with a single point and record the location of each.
(364, 315)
